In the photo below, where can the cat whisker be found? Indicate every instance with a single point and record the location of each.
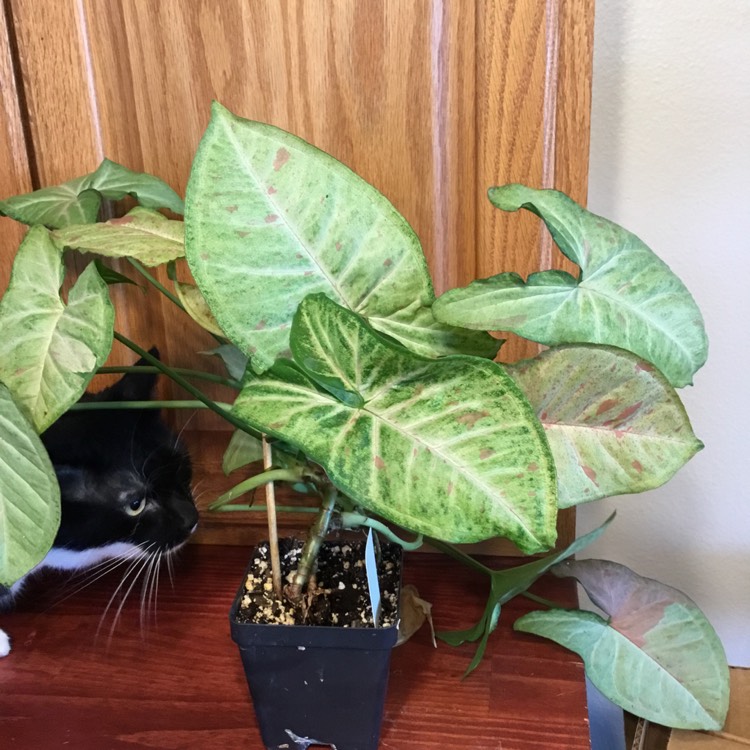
(134, 564)
(182, 429)
(170, 571)
(148, 588)
(144, 562)
(85, 577)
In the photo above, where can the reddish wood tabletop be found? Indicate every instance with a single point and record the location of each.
(178, 683)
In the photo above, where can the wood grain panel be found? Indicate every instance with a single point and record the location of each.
(432, 101)
(15, 172)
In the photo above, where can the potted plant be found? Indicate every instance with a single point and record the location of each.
(361, 388)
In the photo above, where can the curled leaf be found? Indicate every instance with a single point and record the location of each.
(413, 611)
(625, 295)
(196, 307)
(142, 234)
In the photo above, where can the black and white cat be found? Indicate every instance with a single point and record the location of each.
(125, 485)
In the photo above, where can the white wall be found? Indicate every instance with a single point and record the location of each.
(670, 160)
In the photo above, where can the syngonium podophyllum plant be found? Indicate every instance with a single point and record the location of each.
(376, 397)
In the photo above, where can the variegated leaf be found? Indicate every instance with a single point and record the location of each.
(77, 201)
(143, 234)
(49, 351)
(625, 296)
(614, 423)
(270, 219)
(29, 494)
(656, 656)
(446, 447)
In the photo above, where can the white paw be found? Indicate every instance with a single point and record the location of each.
(4, 644)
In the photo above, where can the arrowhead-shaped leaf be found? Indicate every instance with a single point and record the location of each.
(77, 201)
(271, 219)
(614, 423)
(143, 234)
(657, 656)
(29, 494)
(625, 296)
(49, 351)
(446, 447)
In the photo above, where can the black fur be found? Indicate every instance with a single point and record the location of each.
(106, 460)
(124, 476)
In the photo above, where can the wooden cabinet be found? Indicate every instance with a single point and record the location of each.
(433, 101)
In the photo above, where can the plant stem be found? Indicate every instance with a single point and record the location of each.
(148, 369)
(155, 283)
(223, 412)
(543, 601)
(158, 285)
(273, 533)
(309, 558)
(274, 475)
(106, 405)
(459, 555)
(353, 520)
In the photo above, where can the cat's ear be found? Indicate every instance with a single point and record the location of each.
(133, 386)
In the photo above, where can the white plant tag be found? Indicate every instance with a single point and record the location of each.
(371, 566)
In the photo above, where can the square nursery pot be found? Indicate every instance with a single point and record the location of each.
(316, 685)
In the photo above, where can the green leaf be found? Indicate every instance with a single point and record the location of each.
(243, 449)
(111, 277)
(29, 494)
(114, 182)
(507, 583)
(270, 219)
(143, 234)
(625, 296)
(196, 307)
(614, 423)
(657, 656)
(417, 329)
(234, 360)
(49, 351)
(77, 201)
(447, 447)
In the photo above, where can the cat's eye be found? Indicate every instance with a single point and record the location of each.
(135, 506)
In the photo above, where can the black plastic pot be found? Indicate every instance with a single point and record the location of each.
(309, 683)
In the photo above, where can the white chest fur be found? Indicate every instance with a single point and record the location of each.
(67, 559)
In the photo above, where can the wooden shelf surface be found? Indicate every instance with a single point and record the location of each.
(178, 683)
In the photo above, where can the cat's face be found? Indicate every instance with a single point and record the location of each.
(124, 476)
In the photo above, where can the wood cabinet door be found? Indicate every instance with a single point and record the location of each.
(432, 101)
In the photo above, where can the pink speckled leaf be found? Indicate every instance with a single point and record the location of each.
(448, 447)
(614, 423)
(270, 219)
(657, 656)
(143, 234)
